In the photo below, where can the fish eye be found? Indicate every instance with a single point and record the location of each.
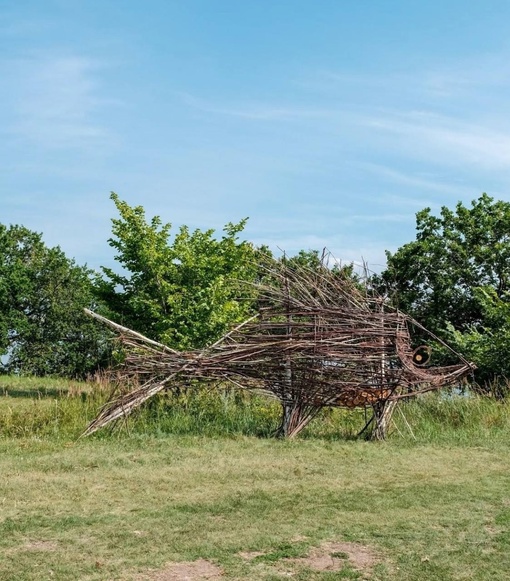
(421, 355)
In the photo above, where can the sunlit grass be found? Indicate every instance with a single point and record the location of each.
(41, 407)
(196, 476)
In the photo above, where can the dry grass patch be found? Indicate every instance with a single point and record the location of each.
(40, 546)
(35, 545)
(332, 556)
(250, 555)
(328, 557)
(186, 571)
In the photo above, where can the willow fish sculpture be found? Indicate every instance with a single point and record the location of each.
(315, 341)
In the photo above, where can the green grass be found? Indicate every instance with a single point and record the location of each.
(196, 477)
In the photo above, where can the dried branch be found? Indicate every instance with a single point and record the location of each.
(316, 341)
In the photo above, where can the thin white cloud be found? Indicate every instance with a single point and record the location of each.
(56, 101)
(415, 181)
(463, 78)
(370, 218)
(446, 139)
(257, 111)
(466, 78)
(455, 114)
(395, 114)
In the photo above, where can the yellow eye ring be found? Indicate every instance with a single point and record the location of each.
(421, 355)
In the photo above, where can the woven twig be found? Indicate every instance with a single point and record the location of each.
(316, 341)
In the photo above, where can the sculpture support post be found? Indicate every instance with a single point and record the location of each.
(383, 411)
(295, 417)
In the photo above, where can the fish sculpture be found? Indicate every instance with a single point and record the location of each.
(317, 340)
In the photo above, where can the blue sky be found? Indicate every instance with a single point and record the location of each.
(327, 122)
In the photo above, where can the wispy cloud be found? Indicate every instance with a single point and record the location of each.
(454, 114)
(446, 139)
(416, 181)
(466, 78)
(455, 79)
(56, 101)
(432, 115)
(371, 218)
(257, 111)
(337, 158)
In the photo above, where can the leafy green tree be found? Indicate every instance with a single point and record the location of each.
(43, 330)
(435, 276)
(315, 260)
(488, 342)
(455, 274)
(185, 292)
(310, 259)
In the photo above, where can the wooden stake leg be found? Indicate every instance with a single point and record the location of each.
(295, 417)
(383, 410)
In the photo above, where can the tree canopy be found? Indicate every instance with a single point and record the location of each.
(43, 330)
(183, 292)
(455, 277)
(187, 288)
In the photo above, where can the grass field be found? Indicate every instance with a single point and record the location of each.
(195, 487)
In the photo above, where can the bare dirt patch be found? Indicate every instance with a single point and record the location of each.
(185, 571)
(39, 546)
(333, 556)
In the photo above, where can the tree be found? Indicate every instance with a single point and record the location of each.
(488, 342)
(184, 293)
(43, 330)
(437, 277)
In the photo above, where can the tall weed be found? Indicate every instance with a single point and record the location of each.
(454, 418)
(46, 408)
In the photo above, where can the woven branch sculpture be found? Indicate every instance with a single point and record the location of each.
(316, 341)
